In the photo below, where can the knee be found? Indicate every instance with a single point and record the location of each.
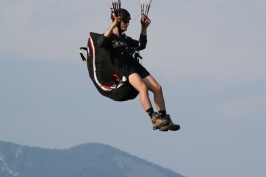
(158, 88)
(143, 88)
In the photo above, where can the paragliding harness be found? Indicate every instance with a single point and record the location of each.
(109, 80)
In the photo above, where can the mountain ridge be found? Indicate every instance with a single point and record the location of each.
(88, 159)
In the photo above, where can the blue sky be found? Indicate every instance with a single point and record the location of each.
(209, 57)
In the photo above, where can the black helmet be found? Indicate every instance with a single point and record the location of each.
(122, 13)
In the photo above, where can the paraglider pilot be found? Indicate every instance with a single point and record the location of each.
(121, 47)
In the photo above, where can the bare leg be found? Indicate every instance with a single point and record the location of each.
(136, 81)
(157, 91)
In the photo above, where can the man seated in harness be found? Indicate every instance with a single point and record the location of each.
(122, 48)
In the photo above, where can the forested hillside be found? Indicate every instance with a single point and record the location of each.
(86, 160)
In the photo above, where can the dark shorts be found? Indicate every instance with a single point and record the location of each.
(137, 68)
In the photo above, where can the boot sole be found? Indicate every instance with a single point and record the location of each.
(174, 127)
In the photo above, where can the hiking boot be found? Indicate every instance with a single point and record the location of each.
(158, 122)
(170, 125)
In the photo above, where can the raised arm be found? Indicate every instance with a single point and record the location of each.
(145, 22)
(104, 39)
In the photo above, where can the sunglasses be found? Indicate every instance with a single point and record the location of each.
(125, 21)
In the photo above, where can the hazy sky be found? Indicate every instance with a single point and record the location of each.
(209, 57)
